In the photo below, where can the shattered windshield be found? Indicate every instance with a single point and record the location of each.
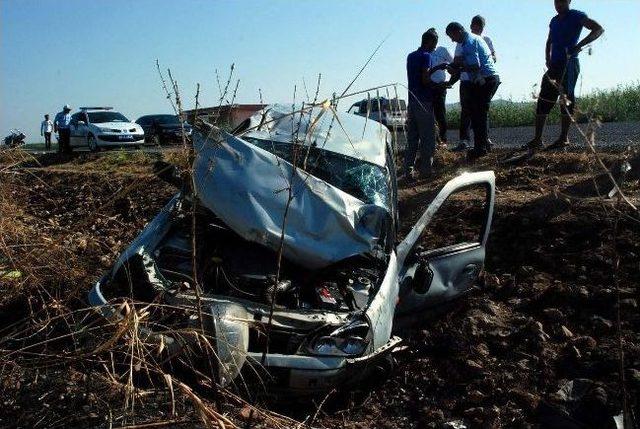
(365, 181)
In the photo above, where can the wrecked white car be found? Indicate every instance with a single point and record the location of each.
(326, 314)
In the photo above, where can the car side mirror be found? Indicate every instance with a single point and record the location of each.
(423, 277)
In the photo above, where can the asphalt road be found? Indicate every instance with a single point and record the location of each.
(609, 134)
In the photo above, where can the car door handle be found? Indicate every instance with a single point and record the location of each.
(471, 270)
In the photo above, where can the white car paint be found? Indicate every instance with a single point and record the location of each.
(106, 134)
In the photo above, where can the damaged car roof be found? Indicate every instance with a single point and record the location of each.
(322, 127)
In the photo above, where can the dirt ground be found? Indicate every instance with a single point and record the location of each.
(561, 262)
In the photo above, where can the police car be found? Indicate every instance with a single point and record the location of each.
(97, 127)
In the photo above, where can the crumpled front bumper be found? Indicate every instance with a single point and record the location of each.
(289, 374)
(308, 375)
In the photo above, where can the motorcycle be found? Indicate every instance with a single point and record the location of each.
(15, 138)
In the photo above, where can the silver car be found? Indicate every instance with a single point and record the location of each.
(325, 314)
(392, 113)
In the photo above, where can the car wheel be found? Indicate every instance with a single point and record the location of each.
(92, 142)
(155, 140)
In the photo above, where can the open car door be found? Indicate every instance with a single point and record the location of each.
(443, 255)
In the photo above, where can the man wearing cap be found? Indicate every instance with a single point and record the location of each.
(561, 54)
(477, 61)
(61, 125)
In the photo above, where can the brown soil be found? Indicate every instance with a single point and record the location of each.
(547, 312)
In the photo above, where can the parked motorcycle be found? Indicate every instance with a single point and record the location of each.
(15, 138)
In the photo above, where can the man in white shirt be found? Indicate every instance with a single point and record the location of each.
(465, 99)
(440, 55)
(46, 128)
(477, 27)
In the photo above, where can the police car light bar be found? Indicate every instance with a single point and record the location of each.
(96, 108)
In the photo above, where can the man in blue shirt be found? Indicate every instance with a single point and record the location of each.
(61, 125)
(420, 122)
(563, 67)
(477, 61)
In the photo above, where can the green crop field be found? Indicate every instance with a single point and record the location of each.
(613, 105)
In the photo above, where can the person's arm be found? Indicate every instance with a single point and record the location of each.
(596, 32)
(455, 77)
(42, 127)
(547, 51)
(492, 49)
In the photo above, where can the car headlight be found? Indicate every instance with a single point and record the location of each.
(104, 130)
(349, 340)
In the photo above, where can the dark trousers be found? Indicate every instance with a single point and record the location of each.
(465, 109)
(421, 137)
(440, 111)
(47, 141)
(559, 79)
(64, 145)
(480, 103)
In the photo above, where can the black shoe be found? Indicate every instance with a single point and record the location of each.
(533, 145)
(462, 146)
(558, 145)
(426, 173)
(473, 154)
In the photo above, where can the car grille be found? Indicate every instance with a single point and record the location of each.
(123, 139)
(285, 342)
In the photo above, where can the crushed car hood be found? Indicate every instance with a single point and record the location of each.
(247, 188)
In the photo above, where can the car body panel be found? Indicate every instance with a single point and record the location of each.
(382, 308)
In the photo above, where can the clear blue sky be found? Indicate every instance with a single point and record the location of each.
(103, 52)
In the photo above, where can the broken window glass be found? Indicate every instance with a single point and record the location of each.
(365, 181)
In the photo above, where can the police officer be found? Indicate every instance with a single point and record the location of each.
(61, 125)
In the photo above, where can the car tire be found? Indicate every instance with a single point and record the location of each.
(92, 142)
